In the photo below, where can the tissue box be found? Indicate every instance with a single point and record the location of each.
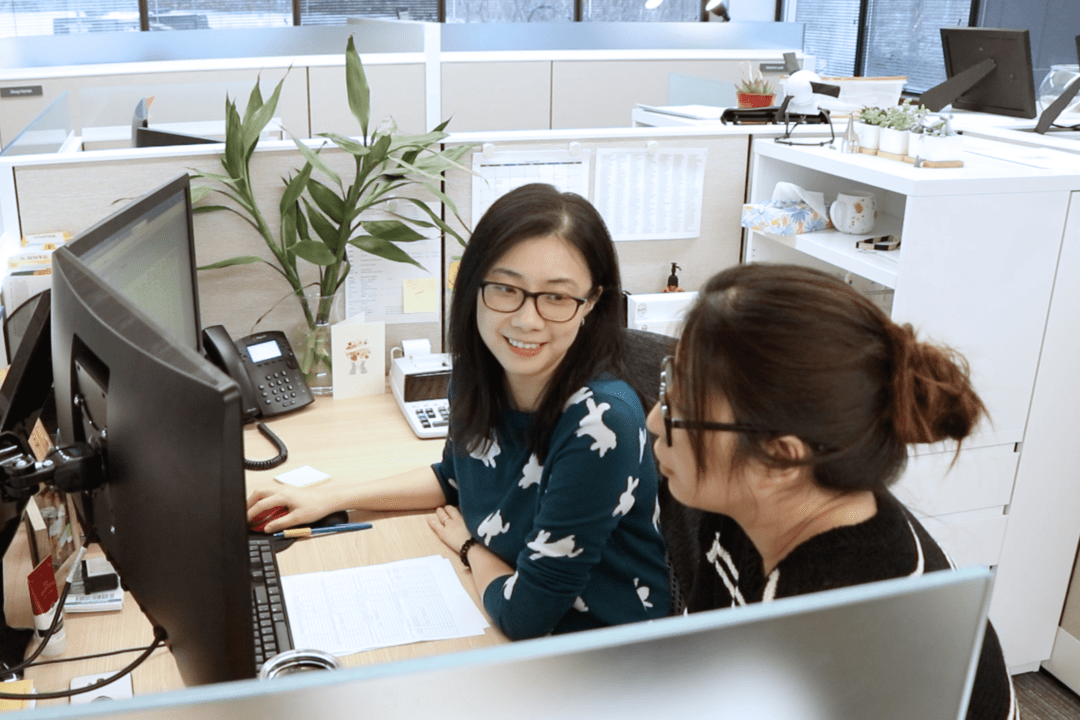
(783, 217)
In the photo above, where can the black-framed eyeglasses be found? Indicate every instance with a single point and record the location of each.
(552, 306)
(666, 375)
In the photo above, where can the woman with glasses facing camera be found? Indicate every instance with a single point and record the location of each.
(547, 488)
(782, 419)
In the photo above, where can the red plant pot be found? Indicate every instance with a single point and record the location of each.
(753, 100)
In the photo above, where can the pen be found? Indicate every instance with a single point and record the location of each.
(308, 532)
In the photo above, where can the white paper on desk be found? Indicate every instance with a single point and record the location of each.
(348, 611)
(499, 172)
(651, 195)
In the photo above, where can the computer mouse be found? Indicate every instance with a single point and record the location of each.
(258, 523)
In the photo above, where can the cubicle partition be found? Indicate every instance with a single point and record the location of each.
(618, 169)
(536, 76)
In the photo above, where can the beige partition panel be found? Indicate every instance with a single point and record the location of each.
(396, 90)
(243, 298)
(497, 95)
(645, 264)
(109, 100)
(602, 93)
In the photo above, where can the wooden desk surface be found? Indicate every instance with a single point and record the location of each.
(353, 440)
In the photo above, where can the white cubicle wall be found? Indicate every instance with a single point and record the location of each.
(511, 77)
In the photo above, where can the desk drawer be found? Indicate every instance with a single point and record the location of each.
(969, 541)
(982, 478)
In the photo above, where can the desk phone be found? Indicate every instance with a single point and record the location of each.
(264, 367)
(419, 383)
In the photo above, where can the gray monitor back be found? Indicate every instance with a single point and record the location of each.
(903, 648)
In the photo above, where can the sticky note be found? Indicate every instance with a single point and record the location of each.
(420, 295)
(305, 476)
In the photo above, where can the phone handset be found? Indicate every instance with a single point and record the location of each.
(269, 378)
(221, 351)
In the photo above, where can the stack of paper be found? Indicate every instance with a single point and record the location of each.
(348, 611)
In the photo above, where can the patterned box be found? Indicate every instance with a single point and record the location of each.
(783, 217)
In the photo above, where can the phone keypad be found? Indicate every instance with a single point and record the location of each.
(277, 388)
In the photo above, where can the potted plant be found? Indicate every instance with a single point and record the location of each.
(868, 128)
(320, 220)
(898, 121)
(940, 142)
(754, 91)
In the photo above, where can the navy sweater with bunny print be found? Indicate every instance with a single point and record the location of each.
(581, 530)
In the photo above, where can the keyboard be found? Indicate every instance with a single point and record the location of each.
(272, 634)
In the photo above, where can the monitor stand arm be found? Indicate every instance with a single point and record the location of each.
(945, 93)
(69, 469)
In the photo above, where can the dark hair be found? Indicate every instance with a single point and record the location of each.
(480, 399)
(801, 353)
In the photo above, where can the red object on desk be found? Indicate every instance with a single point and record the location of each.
(42, 582)
(259, 522)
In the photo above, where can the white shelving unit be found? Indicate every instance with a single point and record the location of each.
(978, 267)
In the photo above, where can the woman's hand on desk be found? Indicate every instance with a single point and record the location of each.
(304, 506)
(450, 527)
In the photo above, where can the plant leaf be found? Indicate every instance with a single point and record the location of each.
(238, 260)
(436, 219)
(294, 189)
(325, 229)
(313, 157)
(327, 200)
(391, 230)
(314, 252)
(209, 208)
(356, 86)
(347, 144)
(382, 248)
(233, 159)
(257, 121)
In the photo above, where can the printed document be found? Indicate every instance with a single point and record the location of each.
(348, 611)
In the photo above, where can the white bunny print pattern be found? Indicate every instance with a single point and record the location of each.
(579, 396)
(593, 424)
(531, 473)
(626, 500)
(491, 526)
(487, 452)
(564, 547)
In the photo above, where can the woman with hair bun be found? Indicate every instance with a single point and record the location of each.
(783, 418)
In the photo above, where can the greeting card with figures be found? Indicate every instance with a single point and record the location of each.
(359, 350)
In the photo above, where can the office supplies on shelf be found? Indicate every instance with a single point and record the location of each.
(419, 380)
(330, 530)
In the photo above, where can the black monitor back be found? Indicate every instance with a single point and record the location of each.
(171, 515)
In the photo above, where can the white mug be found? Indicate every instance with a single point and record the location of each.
(854, 214)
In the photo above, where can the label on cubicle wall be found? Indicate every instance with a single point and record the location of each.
(21, 91)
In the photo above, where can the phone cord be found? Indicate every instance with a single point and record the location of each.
(282, 456)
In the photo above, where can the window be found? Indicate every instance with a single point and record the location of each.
(20, 18)
(899, 37)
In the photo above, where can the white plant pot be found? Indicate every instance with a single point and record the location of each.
(915, 144)
(868, 135)
(937, 149)
(893, 141)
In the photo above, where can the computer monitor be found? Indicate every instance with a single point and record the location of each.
(171, 513)
(146, 251)
(989, 70)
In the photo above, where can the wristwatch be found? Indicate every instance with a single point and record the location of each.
(464, 552)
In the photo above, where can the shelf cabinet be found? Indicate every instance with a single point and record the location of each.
(975, 271)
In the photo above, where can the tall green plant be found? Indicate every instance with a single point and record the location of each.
(319, 220)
